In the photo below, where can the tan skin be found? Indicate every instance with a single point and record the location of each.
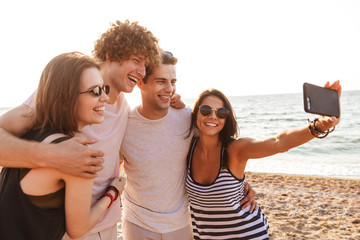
(162, 82)
(72, 156)
(205, 162)
(80, 215)
(78, 159)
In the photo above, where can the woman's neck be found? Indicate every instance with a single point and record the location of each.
(209, 143)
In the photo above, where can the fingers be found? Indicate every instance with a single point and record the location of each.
(249, 198)
(85, 171)
(93, 169)
(176, 102)
(90, 151)
(175, 97)
(77, 159)
(246, 188)
(118, 179)
(119, 183)
(245, 203)
(87, 175)
(335, 85)
(95, 161)
(97, 155)
(327, 84)
(326, 122)
(178, 105)
(254, 206)
(339, 90)
(85, 141)
(252, 203)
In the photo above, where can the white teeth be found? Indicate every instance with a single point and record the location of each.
(133, 79)
(168, 97)
(210, 124)
(99, 109)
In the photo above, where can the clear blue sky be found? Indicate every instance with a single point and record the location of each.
(239, 47)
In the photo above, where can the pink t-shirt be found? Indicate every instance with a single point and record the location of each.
(109, 135)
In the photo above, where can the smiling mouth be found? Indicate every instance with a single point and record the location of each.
(165, 98)
(99, 109)
(210, 124)
(133, 79)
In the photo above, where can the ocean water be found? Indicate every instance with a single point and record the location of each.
(337, 155)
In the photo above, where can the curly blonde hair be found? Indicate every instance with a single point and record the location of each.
(124, 39)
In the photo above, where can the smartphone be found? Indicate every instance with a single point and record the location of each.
(320, 100)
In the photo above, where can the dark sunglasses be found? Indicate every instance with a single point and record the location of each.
(97, 91)
(206, 110)
(169, 54)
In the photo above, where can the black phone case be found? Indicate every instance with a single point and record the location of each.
(319, 100)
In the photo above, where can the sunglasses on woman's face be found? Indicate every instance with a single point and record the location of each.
(97, 91)
(206, 110)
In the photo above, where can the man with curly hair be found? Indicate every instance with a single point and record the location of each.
(125, 50)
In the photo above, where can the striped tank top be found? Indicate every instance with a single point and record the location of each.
(215, 208)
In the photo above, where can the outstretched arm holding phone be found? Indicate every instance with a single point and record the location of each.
(288, 139)
(217, 162)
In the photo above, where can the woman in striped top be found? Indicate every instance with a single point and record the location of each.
(216, 166)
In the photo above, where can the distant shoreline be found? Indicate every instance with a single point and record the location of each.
(270, 94)
(193, 98)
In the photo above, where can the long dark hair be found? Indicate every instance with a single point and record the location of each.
(230, 130)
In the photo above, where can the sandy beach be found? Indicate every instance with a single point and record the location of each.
(302, 207)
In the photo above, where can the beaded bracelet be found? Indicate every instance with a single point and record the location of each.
(316, 132)
(116, 191)
(111, 188)
(110, 196)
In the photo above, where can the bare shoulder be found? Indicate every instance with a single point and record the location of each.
(54, 179)
(240, 143)
(240, 147)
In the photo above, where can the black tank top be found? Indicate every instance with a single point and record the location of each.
(21, 219)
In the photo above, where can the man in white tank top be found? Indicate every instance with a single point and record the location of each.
(154, 150)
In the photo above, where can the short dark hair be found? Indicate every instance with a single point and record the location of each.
(165, 58)
(58, 92)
